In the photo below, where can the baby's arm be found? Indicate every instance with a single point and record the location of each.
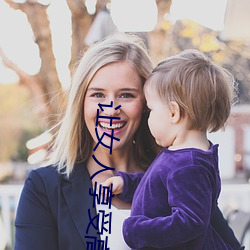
(188, 192)
(117, 182)
(124, 184)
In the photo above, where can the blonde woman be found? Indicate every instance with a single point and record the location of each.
(56, 206)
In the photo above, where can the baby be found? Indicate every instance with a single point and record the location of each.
(188, 96)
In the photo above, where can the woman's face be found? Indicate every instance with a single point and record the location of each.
(119, 83)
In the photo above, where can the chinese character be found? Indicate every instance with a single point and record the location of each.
(104, 168)
(91, 245)
(112, 130)
(111, 118)
(101, 243)
(104, 192)
(91, 222)
(102, 221)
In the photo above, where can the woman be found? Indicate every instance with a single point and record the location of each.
(56, 208)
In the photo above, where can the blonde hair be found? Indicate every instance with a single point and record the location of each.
(203, 90)
(73, 142)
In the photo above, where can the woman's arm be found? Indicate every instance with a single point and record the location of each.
(221, 226)
(35, 225)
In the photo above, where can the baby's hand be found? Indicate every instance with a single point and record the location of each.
(117, 182)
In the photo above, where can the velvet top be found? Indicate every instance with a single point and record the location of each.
(174, 202)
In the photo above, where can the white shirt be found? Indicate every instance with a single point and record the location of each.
(115, 238)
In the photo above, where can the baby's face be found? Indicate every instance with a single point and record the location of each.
(159, 120)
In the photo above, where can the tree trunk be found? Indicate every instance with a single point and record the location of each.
(81, 22)
(46, 81)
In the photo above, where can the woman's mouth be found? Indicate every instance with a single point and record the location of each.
(117, 129)
(115, 126)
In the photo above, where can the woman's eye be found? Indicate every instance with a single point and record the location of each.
(127, 95)
(97, 95)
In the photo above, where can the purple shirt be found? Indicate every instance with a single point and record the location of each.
(174, 202)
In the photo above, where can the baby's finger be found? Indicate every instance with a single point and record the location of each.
(107, 183)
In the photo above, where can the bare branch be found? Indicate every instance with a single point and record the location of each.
(31, 82)
(13, 5)
(9, 64)
(81, 22)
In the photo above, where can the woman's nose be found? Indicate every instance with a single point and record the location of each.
(110, 108)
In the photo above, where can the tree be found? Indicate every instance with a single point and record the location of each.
(45, 86)
(165, 40)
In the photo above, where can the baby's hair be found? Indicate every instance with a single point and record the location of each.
(203, 90)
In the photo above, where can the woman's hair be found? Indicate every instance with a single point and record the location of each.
(203, 90)
(73, 142)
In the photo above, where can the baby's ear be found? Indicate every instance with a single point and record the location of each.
(175, 112)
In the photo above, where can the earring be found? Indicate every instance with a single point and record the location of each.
(144, 111)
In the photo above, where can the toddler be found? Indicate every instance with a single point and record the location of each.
(188, 96)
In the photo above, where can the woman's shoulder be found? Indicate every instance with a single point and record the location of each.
(50, 175)
(45, 172)
(44, 178)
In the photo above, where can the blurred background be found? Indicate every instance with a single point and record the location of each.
(42, 40)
